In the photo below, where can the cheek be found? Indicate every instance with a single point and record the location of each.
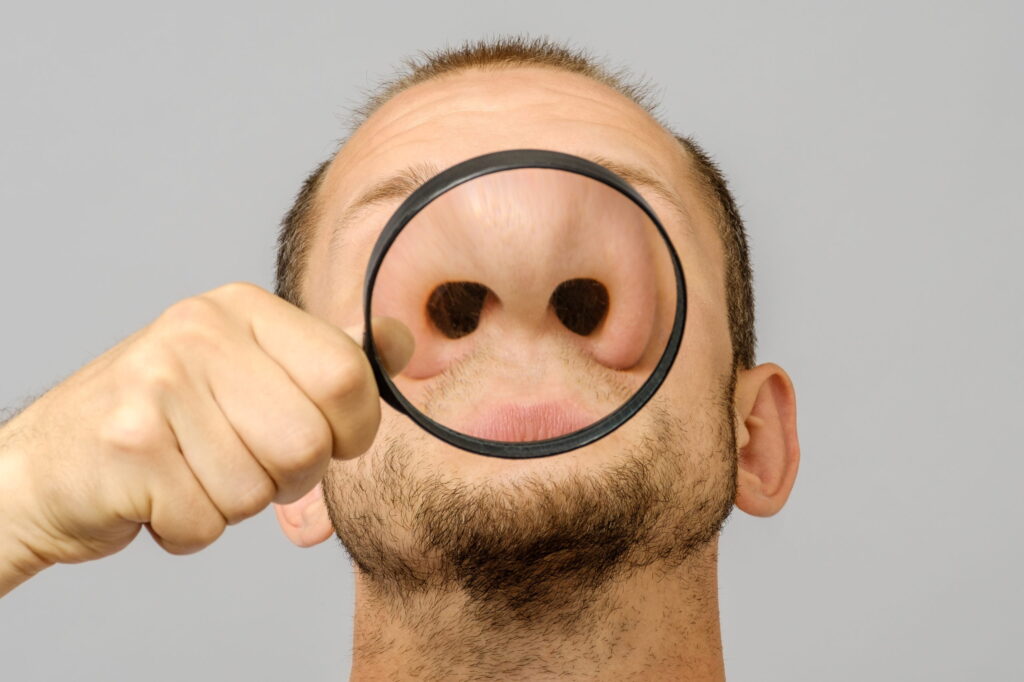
(705, 355)
(334, 291)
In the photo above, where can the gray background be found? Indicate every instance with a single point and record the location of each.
(148, 153)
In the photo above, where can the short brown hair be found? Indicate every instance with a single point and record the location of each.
(298, 224)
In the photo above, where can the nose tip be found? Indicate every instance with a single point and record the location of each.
(519, 258)
(611, 325)
(580, 306)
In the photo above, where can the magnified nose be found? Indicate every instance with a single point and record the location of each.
(525, 288)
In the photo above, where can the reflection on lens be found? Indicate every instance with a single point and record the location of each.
(540, 301)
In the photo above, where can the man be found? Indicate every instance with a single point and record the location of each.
(595, 564)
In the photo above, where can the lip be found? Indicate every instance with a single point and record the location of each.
(519, 422)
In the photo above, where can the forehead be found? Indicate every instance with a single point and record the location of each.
(451, 118)
(475, 111)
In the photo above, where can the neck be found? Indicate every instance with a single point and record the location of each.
(655, 623)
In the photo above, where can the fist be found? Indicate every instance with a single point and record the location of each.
(227, 402)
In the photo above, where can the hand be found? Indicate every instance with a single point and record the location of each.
(228, 401)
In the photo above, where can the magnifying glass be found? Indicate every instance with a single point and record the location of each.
(544, 296)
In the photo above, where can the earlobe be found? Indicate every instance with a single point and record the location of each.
(305, 521)
(766, 437)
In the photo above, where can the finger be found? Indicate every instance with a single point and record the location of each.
(324, 362)
(284, 430)
(229, 473)
(306, 521)
(182, 518)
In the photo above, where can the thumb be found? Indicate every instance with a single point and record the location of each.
(305, 521)
(393, 340)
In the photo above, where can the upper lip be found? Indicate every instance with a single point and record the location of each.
(519, 422)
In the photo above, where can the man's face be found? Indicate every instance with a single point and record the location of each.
(414, 511)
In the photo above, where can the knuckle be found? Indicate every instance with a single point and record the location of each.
(306, 445)
(193, 325)
(299, 486)
(195, 314)
(251, 502)
(133, 428)
(180, 548)
(362, 436)
(152, 369)
(237, 290)
(343, 376)
(204, 531)
(201, 531)
(211, 529)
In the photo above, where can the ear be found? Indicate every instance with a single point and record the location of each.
(769, 452)
(305, 521)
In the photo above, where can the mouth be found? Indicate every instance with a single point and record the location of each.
(518, 422)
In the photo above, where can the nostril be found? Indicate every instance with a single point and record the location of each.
(454, 307)
(580, 304)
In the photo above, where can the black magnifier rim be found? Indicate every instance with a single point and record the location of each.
(458, 174)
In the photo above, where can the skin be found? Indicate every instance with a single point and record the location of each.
(169, 430)
(575, 227)
(228, 401)
(668, 625)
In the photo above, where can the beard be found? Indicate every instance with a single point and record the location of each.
(540, 547)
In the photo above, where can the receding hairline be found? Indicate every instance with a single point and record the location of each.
(401, 183)
(614, 84)
(505, 53)
(632, 94)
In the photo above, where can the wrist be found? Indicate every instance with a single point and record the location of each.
(18, 561)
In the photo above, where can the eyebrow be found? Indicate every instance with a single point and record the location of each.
(406, 181)
(398, 186)
(639, 177)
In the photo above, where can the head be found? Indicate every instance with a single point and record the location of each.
(523, 540)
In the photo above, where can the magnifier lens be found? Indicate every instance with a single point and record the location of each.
(540, 301)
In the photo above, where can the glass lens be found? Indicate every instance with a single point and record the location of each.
(540, 301)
